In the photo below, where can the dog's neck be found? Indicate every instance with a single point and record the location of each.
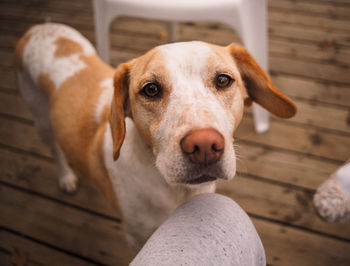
(136, 169)
(140, 188)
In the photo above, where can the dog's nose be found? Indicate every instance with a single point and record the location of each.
(203, 146)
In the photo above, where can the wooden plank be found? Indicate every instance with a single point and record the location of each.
(7, 59)
(75, 17)
(8, 41)
(8, 80)
(277, 31)
(22, 136)
(61, 5)
(18, 26)
(297, 33)
(310, 89)
(67, 228)
(322, 116)
(309, 69)
(6, 259)
(207, 34)
(328, 54)
(282, 166)
(305, 20)
(78, 20)
(314, 114)
(296, 138)
(13, 105)
(286, 246)
(83, 19)
(141, 44)
(342, 3)
(35, 253)
(322, 8)
(145, 27)
(280, 203)
(40, 175)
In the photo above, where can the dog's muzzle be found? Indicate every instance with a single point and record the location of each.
(203, 148)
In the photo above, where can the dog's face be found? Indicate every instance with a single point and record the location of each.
(186, 100)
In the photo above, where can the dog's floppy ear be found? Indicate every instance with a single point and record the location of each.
(259, 86)
(120, 106)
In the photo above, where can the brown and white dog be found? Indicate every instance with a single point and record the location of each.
(150, 134)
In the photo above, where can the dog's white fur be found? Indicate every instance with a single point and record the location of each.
(149, 178)
(200, 108)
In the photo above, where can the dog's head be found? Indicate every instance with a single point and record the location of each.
(186, 100)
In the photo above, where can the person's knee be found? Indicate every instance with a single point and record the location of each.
(209, 229)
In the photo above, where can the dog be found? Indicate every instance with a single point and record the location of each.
(150, 134)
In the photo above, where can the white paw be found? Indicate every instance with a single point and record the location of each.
(331, 202)
(68, 182)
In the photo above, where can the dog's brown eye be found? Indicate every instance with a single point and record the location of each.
(151, 90)
(223, 81)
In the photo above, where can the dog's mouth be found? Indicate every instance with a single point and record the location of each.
(200, 180)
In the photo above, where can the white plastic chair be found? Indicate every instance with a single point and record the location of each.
(247, 17)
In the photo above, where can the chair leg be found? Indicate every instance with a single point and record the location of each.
(261, 119)
(101, 30)
(172, 31)
(254, 36)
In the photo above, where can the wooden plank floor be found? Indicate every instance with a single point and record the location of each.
(278, 171)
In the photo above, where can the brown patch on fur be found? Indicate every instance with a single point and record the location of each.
(149, 68)
(46, 84)
(119, 106)
(74, 124)
(127, 101)
(99, 168)
(221, 63)
(66, 47)
(20, 46)
(259, 85)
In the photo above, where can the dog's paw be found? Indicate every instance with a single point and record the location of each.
(331, 202)
(68, 182)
